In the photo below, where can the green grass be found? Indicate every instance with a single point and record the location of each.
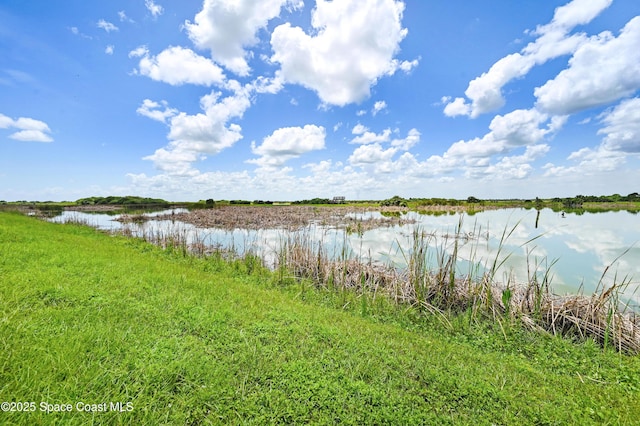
(88, 317)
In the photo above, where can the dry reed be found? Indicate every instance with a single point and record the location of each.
(286, 217)
(441, 289)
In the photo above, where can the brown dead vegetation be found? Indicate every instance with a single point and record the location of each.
(289, 217)
(600, 316)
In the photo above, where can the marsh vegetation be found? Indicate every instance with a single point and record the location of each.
(486, 274)
(289, 217)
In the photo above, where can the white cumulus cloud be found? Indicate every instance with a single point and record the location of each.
(588, 161)
(622, 130)
(378, 107)
(517, 128)
(371, 154)
(177, 65)
(509, 132)
(621, 138)
(375, 154)
(193, 136)
(29, 129)
(413, 137)
(366, 137)
(288, 143)
(352, 45)
(155, 9)
(5, 122)
(554, 40)
(602, 70)
(226, 27)
(457, 107)
(124, 18)
(153, 110)
(107, 26)
(511, 167)
(359, 129)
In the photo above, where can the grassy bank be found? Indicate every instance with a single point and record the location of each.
(90, 318)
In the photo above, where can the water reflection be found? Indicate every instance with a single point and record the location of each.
(524, 242)
(107, 220)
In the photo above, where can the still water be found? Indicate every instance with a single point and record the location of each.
(577, 248)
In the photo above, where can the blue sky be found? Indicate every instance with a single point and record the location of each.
(292, 99)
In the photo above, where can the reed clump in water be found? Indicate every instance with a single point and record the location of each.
(597, 316)
(74, 219)
(442, 288)
(174, 238)
(285, 217)
(133, 218)
(304, 258)
(191, 242)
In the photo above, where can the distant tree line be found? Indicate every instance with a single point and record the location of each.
(568, 202)
(403, 202)
(615, 198)
(314, 201)
(121, 201)
(578, 200)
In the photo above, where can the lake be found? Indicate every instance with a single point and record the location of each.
(578, 247)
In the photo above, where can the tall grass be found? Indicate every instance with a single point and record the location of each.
(433, 281)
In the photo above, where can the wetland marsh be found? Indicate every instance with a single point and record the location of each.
(577, 248)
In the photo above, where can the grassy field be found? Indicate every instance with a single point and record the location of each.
(146, 336)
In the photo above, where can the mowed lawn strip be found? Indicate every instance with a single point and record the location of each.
(89, 318)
